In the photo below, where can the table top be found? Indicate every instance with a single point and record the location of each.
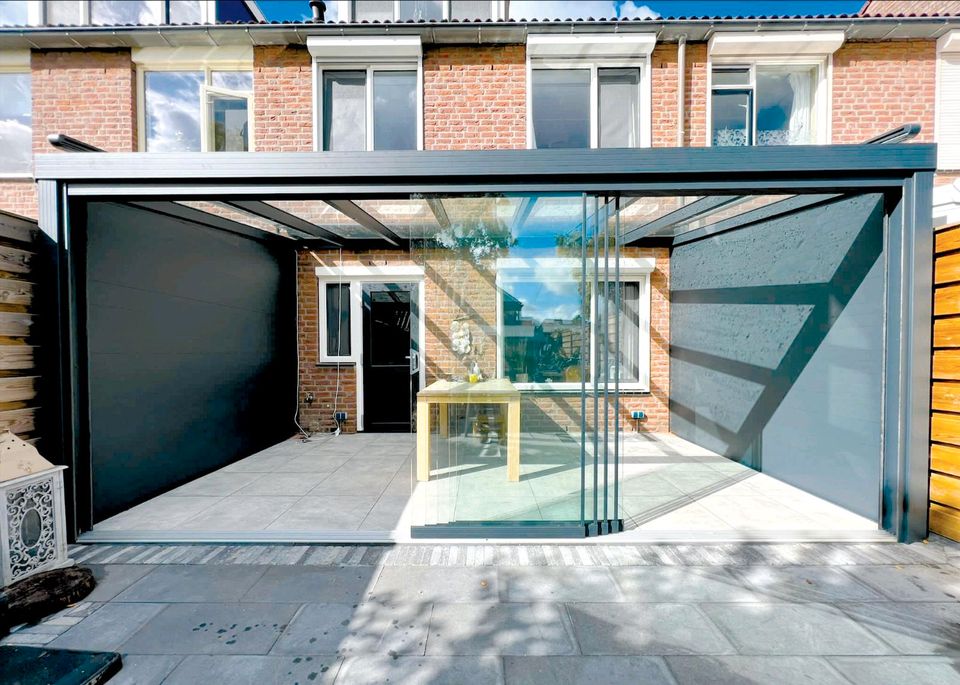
(497, 389)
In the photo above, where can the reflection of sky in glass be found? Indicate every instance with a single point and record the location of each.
(111, 13)
(233, 80)
(184, 11)
(13, 13)
(15, 123)
(173, 110)
(395, 110)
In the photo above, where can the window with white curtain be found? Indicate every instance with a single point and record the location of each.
(422, 10)
(764, 104)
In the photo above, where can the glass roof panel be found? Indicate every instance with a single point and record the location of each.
(739, 206)
(411, 218)
(227, 212)
(321, 214)
(643, 210)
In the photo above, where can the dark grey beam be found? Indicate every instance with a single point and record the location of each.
(350, 209)
(439, 211)
(290, 221)
(685, 214)
(177, 211)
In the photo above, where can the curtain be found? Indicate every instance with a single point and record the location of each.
(801, 130)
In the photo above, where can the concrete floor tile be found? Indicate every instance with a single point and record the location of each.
(264, 462)
(691, 517)
(216, 484)
(347, 585)
(369, 628)
(187, 583)
(145, 669)
(491, 629)
(112, 579)
(420, 670)
(386, 514)
(246, 512)
(204, 628)
(314, 463)
(318, 512)
(401, 585)
(160, 513)
(255, 670)
(108, 627)
(653, 629)
(912, 628)
(911, 583)
(680, 584)
(898, 670)
(577, 670)
(543, 584)
(353, 481)
(792, 629)
(737, 670)
(283, 484)
(806, 584)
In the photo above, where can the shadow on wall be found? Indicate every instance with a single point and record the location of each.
(777, 340)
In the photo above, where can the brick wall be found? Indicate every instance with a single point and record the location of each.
(879, 86)
(696, 97)
(19, 197)
(283, 99)
(663, 89)
(474, 98)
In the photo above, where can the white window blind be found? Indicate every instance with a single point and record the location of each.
(948, 116)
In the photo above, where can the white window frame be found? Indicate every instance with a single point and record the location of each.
(206, 60)
(632, 270)
(948, 46)
(498, 9)
(821, 96)
(17, 62)
(368, 68)
(356, 276)
(208, 12)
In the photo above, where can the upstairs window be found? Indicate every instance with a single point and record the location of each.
(16, 128)
(423, 10)
(764, 104)
(124, 12)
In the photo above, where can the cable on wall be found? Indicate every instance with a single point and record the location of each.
(296, 340)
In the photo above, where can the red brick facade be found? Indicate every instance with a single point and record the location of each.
(283, 99)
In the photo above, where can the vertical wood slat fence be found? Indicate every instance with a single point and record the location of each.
(945, 391)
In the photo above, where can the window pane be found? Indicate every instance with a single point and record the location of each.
(344, 110)
(731, 116)
(731, 77)
(395, 110)
(15, 124)
(228, 121)
(172, 102)
(13, 13)
(65, 12)
(619, 107)
(338, 319)
(421, 10)
(470, 9)
(561, 108)
(112, 13)
(373, 10)
(785, 105)
(233, 80)
(184, 11)
(629, 332)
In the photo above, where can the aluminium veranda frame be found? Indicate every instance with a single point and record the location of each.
(903, 173)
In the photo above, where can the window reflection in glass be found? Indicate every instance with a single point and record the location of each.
(730, 114)
(785, 105)
(629, 339)
(112, 13)
(421, 10)
(469, 10)
(561, 108)
(344, 110)
(172, 101)
(395, 110)
(228, 120)
(233, 80)
(14, 13)
(619, 116)
(373, 10)
(15, 124)
(185, 11)
(338, 319)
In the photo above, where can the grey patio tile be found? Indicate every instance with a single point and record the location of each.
(807, 584)
(386, 513)
(421, 670)
(544, 584)
(254, 670)
(301, 584)
(399, 585)
(212, 629)
(792, 629)
(355, 481)
(490, 629)
(899, 670)
(264, 462)
(651, 629)
(239, 513)
(575, 670)
(186, 583)
(321, 512)
(681, 584)
(112, 579)
(108, 627)
(289, 484)
(160, 513)
(911, 583)
(736, 670)
(216, 484)
(369, 628)
(912, 628)
(313, 463)
(145, 669)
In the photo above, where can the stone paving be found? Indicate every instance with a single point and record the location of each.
(512, 613)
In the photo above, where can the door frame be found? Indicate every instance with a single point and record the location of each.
(356, 275)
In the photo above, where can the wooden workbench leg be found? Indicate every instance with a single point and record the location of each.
(444, 419)
(513, 441)
(423, 440)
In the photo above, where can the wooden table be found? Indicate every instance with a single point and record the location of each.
(445, 393)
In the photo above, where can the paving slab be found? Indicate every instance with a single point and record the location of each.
(396, 585)
(489, 629)
(912, 628)
(913, 582)
(108, 627)
(792, 629)
(807, 584)
(422, 670)
(737, 670)
(370, 628)
(112, 579)
(189, 583)
(212, 629)
(145, 669)
(899, 670)
(254, 670)
(575, 670)
(544, 584)
(653, 629)
(311, 584)
(679, 584)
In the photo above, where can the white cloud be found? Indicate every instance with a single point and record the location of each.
(634, 10)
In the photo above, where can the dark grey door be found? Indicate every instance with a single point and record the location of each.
(388, 384)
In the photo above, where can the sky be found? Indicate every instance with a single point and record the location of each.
(298, 10)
